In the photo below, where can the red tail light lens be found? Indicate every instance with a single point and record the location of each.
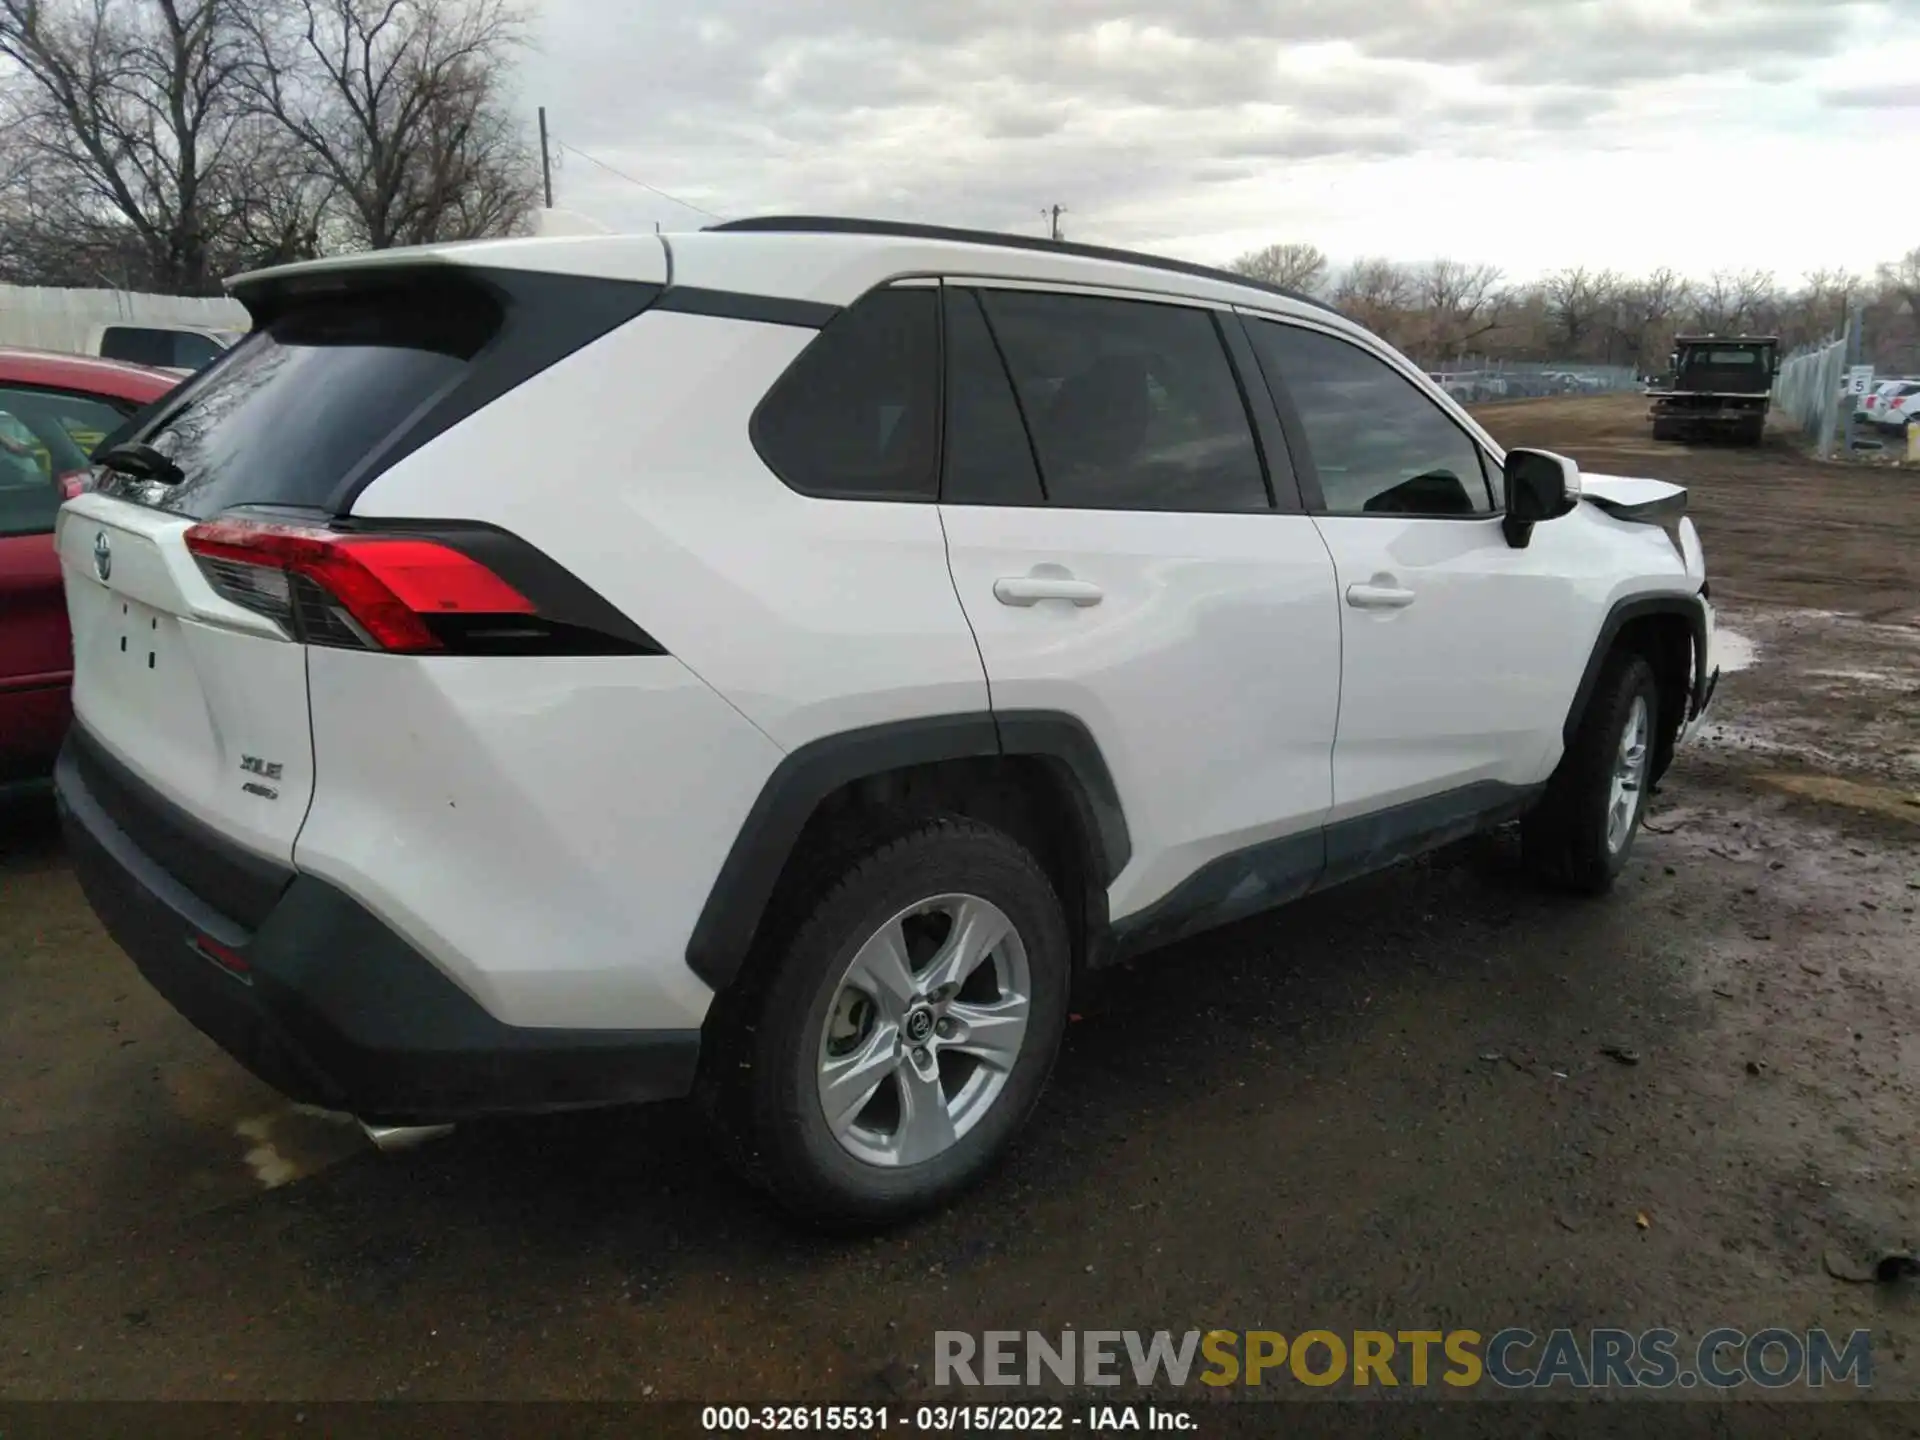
(74, 482)
(353, 591)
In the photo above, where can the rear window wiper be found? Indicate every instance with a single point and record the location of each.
(141, 461)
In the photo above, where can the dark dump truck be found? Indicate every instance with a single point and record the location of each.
(1719, 389)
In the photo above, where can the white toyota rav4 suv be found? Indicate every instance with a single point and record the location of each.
(775, 663)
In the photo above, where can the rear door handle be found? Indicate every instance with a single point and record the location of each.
(1379, 597)
(1031, 589)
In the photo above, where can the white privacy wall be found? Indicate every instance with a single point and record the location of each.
(46, 318)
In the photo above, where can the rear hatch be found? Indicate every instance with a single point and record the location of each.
(200, 565)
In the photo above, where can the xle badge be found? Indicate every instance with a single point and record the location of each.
(267, 769)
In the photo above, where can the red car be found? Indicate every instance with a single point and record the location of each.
(53, 410)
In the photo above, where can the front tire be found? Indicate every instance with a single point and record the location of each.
(903, 1033)
(1581, 834)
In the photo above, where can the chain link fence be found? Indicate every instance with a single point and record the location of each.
(1807, 393)
(1475, 379)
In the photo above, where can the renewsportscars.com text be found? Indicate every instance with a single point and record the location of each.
(1512, 1358)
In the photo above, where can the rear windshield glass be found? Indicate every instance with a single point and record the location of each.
(1724, 357)
(290, 412)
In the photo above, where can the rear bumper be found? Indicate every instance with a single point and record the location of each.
(1731, 413)
(320, 998)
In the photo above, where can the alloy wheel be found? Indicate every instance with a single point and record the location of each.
(925, 1027)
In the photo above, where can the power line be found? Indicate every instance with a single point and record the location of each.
(635, 180)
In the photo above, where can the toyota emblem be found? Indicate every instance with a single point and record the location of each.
(102, 555)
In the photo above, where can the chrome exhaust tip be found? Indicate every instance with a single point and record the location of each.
(392, 1139)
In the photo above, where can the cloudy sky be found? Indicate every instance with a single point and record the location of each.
(1703, 134)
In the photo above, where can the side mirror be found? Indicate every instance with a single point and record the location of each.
(1540, 486)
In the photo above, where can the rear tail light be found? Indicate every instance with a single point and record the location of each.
(403, 593)
(74, 482)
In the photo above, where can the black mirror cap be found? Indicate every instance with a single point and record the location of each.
(1541, 486)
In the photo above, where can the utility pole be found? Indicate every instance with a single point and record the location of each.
(546, 160)
(1052, 216)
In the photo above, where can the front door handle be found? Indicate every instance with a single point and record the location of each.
(1031, 589)
(1379, 597)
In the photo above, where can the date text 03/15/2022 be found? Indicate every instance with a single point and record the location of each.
(948, 1419)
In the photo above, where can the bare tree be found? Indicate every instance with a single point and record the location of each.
(401, 106)
(1648, 308)
(126, 114)
(1460, 300)
(1756, 298)
(476, 150)
(290, 214)
(1293, 266)
(1713, 303)
(1372, 280)
(1663, 294)
(1377, 293)
(1578, 302)
(1820, 307)
(1728, 302)
(1902, 278)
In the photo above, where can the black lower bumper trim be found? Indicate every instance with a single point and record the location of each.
(336, 1009)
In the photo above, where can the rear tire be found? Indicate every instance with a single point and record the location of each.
(853, 1090)
(1666, 430)
(1582, 832)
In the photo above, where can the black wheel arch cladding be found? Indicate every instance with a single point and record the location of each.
(725, 930)
(1689, 608)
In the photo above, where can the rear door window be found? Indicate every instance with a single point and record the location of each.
(989, 459)
(856, 416)
(1132, 405)
(44, 434)
(288, 416)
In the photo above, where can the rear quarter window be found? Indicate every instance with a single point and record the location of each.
(856, 416)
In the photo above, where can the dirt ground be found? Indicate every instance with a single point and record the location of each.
(1387, 1107)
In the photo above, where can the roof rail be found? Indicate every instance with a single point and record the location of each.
(845, 225)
